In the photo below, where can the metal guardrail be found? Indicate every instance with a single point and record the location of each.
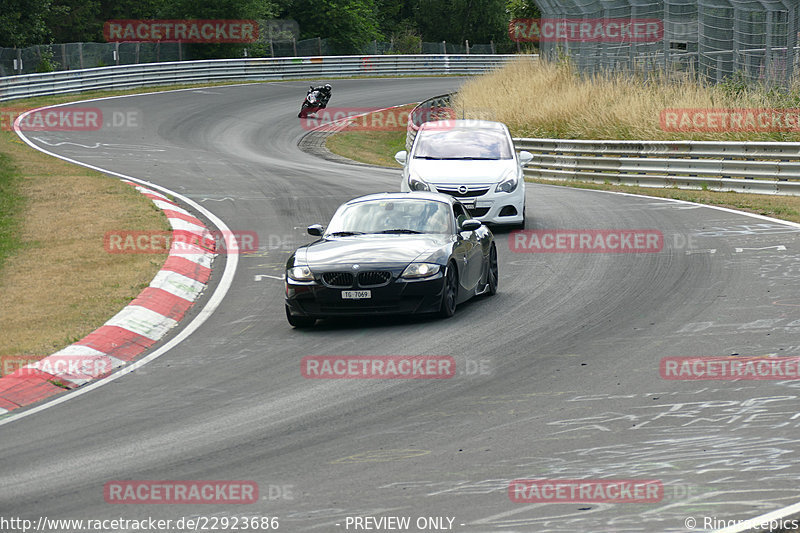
(256, 69)
(753, 167)
(423, 112)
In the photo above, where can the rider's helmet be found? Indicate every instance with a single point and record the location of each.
(327, 86)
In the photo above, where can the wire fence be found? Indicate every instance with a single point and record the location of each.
(71, 56)
(713, 40)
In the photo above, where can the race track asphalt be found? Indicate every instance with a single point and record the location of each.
(558, 374)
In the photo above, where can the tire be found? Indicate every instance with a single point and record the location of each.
(303, 111)
(493, 275)
(449, 291)
(299, 321)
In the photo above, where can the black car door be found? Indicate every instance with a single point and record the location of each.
(469, 245)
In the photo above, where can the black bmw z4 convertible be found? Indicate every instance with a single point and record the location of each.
(391, 253)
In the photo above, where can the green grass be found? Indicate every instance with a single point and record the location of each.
(374, 148)
(367, 142)
(12, 203)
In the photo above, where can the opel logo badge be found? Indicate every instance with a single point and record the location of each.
(462, 189)
(356, 267)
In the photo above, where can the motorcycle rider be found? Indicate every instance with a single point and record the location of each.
(324, 91)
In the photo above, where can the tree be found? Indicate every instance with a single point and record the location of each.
(478, 21)
(523, 9)
(218, 9)
(72, 21)
(348, 24)
(22, 23)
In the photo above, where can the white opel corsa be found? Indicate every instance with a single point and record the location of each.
(473, 160)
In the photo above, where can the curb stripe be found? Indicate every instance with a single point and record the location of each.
(178, 224)
(162, 302)
(117, 342)
(185, 266)
(142, 321)
(171, 213)
(178, 284)
(166, 204)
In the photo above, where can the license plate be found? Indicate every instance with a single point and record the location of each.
(468, 203)
(356, 295)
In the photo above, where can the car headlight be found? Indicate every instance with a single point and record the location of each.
(300, 273)
(508, 184)
(416, 184)
(420, 270)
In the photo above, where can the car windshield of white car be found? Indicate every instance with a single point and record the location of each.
(463, 144)
(402, 216)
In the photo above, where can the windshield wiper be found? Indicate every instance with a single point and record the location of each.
(427, 157)
(471, 158)
(345, 233)
(409, 231)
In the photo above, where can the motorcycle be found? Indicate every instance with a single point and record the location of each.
(314, 101)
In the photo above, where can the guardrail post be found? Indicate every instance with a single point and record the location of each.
(64, 64)
(180, 52)
(137, 52)
(116, 52)
(80, 55)
(294, 46)
(444, 47)
(319, 46)
(467, 45)
(18, 62)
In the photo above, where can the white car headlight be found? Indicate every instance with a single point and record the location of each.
(300, 273)
(417, 184)
(507, 185)
(420, 270)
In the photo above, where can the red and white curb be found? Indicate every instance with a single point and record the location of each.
(137, 327)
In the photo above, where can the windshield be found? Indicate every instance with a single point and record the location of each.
(463, 144)
(391, 216)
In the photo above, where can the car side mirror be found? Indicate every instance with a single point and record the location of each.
(315, 230)
(471, 224)
(401, 157)
(525, 157)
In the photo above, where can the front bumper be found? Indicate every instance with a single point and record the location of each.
(491, 207)
(398, 297)
(497, 207)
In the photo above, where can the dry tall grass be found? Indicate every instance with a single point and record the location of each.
(550, 100)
